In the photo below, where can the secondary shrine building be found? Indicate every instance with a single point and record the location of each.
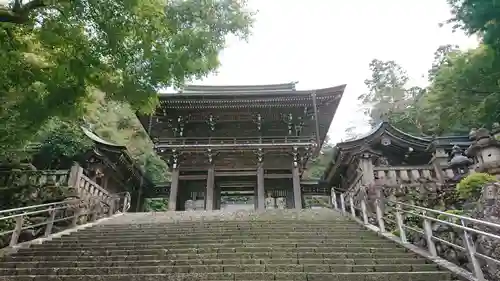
(248, 139)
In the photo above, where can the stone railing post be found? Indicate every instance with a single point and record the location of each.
(50, 224)
(400, 223)
(334, 199)
(351, 205)
(380, 215)
(379, 210)
(363, 211)
(342, 203)
(428, 236)
(112, 206)
(75, 176)
(470, 247)
(17, 230)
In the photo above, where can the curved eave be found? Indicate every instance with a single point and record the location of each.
(448, 142)
(101, 141)
(130, 166)
(385, 129)
(348, 148)
(230, 95)
(332, 97)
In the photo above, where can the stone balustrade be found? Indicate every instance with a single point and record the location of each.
(395, 175)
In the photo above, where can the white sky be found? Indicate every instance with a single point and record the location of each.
(324, 43)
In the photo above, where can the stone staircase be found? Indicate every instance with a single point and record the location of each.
(306, 245)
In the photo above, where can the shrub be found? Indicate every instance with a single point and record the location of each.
(470, 187)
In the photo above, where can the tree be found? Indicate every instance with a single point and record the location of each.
(60, 143)
(441, 58)
(478, 17)
(389, 99)
(55, 54)
(464, 92)
(317, 165)
(116, 122)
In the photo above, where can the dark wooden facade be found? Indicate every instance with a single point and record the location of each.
(223, 138)
(389, 157)
(112, 167)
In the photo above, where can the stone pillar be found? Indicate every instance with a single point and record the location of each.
(261, 193)
(366, 166)
(438, 161)
(174, 189)
(209, 192)
(297, 192)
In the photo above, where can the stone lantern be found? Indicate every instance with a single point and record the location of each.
(459, 163)
(486, 149)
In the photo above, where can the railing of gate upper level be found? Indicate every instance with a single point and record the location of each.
(50, 218)
(393, 216)
(232, 140)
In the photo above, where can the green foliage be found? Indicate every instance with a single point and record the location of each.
(55, 54)
(470, 187)
(60, 142)
(156, 205)
(477, 17)
(389, 99)
(106, 119)
(463, 93)
(317, 165)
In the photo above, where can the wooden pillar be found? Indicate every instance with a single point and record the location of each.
(174, 189)
(297, 192)
(289, 198)
(261, 193)
(209, 192)
(217, 197)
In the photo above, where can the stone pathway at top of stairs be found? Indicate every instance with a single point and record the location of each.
(306, 245)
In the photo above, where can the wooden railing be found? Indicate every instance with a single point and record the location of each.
(228, 140)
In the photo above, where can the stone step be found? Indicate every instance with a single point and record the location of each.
(324, 268)
(215, 223)
(240, 276)
(228, 231)
(49, 246)
(205, 250)
(218, 230)
(222, 243)
(230, 223)
(152, 236)
(223, 256)
(169, 262)
(162, 241)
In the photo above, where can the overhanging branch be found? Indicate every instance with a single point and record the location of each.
(19, 13)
